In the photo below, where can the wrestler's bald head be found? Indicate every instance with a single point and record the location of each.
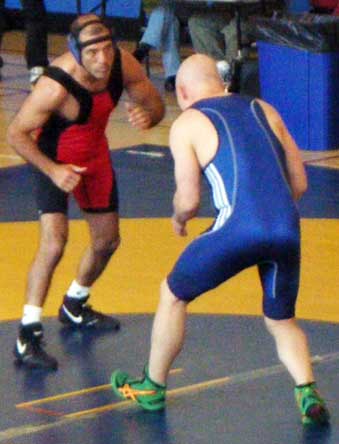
(197, 78)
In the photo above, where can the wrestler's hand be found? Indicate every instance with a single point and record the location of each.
(179, 227)
(67, 176)
(138, 117)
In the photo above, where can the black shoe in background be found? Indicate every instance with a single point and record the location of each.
(142, 52)
(28, 350)
(170, 84)
(78, 314)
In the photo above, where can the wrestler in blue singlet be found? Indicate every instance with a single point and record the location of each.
(257, 220)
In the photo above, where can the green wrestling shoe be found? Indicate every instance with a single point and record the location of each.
(312, 407)
(147, 393)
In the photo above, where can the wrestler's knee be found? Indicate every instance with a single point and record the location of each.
(275, 326)
(167, 295)
(106, 246)
(53, 248)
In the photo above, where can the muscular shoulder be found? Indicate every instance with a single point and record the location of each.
(131, 69)
(278, 126)
(190, 124)
(270, 112)
(49, 93)
(195, 132)
(66, 62)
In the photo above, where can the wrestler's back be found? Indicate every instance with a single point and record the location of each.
(248, 175)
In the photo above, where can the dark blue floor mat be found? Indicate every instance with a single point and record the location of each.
(254, 406)
(146, 186)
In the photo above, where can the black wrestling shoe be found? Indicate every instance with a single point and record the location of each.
(77, 314)
(28, 350)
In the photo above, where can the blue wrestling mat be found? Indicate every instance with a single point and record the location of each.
(226, 387)
(235, 392)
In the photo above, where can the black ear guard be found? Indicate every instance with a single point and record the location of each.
(76, 47)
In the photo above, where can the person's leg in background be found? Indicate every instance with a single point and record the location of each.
(162, 33)
(170, 48)
(36, 52)
(215, 35)
(3, 26)
(206, 31)
(229, 32)
(231, 39)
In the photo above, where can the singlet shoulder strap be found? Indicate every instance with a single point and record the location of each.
(74, 88)
(115, 85)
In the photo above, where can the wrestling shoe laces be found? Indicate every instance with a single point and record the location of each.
(312, 407)
(78, 314)
(147, 393)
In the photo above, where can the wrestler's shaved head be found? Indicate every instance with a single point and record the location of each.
(196, 79)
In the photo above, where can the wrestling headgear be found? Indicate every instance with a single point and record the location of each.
(75, 46)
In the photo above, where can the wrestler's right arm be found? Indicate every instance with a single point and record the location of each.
(46, 97)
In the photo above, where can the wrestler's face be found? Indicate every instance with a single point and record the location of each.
(97, 58)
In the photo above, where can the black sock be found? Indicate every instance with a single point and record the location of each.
(308, 384)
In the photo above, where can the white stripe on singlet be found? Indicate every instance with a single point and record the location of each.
(220, 197)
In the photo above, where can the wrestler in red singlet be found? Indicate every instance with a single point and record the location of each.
(82, 142)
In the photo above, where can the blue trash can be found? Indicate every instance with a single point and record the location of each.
(298, 6)
(303, 86)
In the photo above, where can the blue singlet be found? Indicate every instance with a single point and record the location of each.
(257, 220)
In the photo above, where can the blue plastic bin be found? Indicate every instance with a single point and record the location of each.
(297, 6)
(117, 8)
(303, 86)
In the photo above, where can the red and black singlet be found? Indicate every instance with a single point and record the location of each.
(83, 142)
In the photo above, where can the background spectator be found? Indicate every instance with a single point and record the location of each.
(162, 33)
(215, 34)
(35, 18)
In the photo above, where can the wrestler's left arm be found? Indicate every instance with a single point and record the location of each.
(145, 107)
